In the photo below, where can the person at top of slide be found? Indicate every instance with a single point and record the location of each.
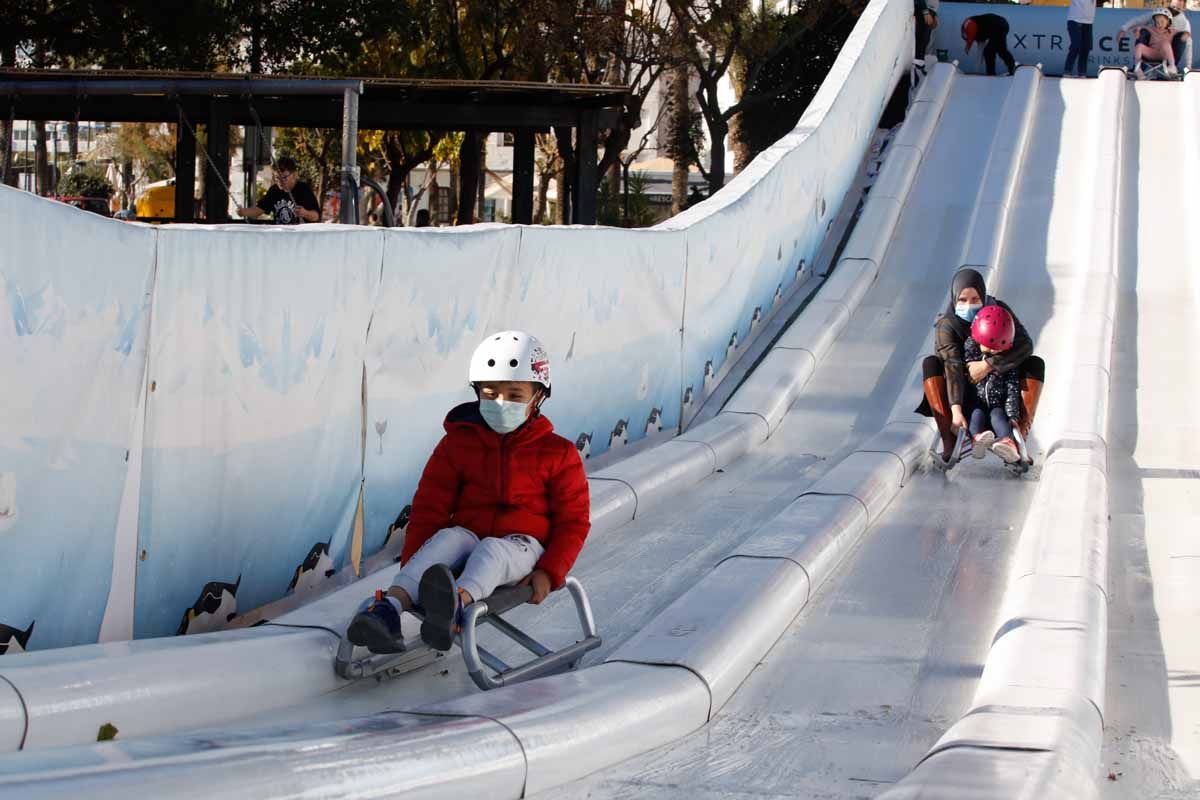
(947, 374)
(926, 15)
(1154, 42)
(1181, 28)
(1080, 17)
(503, 499)
(992, 31)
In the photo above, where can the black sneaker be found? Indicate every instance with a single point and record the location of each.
(443, 607)
(378, 625)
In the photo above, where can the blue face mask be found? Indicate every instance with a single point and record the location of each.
(967, 311)
(503, 416)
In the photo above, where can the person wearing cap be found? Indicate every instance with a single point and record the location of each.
(991, 31)
(502, 499)
(1180, 29)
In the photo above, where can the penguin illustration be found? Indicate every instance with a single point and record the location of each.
(800, 269)
(620, 434)
(731, 349)
(316, 567)
(709, 377)
(399, 526)
(778, 296)
(8, 500)
(216, 606)
(779, 253)
(688, 401)
(571, 349)
(381, 429)
(584, 445)
(755, 318)
(654, 423)
(13, 640)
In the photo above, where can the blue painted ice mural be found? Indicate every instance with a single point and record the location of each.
(73, 313)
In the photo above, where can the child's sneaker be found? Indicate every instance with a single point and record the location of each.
(442, 605)
(1138, 74)
(982, 442)
(1006, 448)
(378, 625)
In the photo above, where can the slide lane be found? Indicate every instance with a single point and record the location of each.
(888, 654)
(1152, 730)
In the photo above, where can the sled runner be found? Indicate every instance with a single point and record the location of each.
(486, 669)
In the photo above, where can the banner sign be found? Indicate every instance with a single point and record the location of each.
(1038, 35)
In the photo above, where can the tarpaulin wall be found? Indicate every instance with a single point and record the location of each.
(291, 372)
(73, 316)
(1038, 35)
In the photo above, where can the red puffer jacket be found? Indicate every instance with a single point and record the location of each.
(530, 481)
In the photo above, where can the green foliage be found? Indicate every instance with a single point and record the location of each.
(788, 77)
(85, 183)
(151, 146)
(610, 206)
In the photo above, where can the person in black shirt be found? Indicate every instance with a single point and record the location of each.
(990, 30)
(289, 201)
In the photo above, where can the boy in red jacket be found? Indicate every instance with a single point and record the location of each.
(503, 499)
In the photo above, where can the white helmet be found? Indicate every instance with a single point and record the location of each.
(511, 356)
(1161, 12)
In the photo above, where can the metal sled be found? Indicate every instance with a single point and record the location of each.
(1156, 70)
(956, 455)
(487, 670)
(1022, 465)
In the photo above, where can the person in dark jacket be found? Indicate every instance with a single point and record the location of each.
(991, 30)
(503, 499)
(926, 21)
(947, 373)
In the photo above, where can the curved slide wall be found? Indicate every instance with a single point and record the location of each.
(253, 457)
(73, 321)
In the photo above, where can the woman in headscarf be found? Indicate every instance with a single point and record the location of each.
(946, 374)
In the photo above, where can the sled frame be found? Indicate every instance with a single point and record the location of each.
(486, 669)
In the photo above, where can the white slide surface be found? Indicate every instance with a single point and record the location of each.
(895, 646)
(1152, 741)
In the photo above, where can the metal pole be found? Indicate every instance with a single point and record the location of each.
(522, 176)
(350, 173)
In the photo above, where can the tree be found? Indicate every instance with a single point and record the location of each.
(144, 152)
(788, 77)
(713, 33)
(89, 182)
(582, 41)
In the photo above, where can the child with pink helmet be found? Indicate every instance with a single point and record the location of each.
(996, 406)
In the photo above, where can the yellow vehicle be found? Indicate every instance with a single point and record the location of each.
(158, 200)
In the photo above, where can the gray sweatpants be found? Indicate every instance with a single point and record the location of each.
(486, 564)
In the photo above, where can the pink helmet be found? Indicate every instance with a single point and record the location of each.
(993, 328)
